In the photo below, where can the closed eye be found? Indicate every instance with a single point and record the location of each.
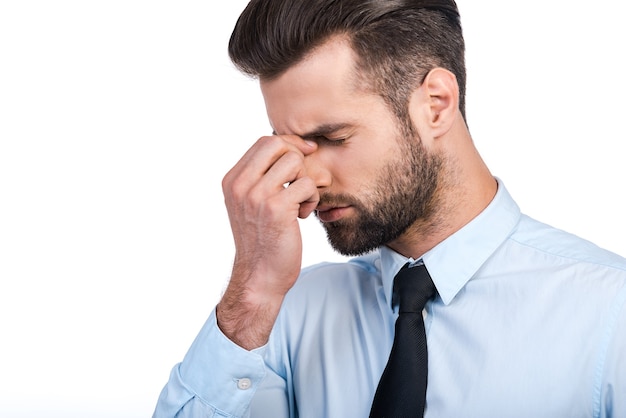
(322, 140)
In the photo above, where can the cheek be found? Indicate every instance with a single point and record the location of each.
(358, 171)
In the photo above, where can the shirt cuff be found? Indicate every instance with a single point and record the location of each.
(220, 372)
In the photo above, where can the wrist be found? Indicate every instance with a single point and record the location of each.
(247, 320)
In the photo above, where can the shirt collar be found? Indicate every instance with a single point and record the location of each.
(454, 261)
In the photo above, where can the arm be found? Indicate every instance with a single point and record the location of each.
(219, 379)
(224, 367)
(263, 216)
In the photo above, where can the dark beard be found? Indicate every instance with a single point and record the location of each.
(404, 192)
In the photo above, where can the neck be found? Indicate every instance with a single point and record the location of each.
(465, 189)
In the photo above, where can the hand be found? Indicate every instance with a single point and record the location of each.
(265, 193)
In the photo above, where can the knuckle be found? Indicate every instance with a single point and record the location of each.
(273, 205)
(227, 181)
(308, 182)
(305, 184)
(294, 158)
(270, 141)
(236, 188)
(255, 197)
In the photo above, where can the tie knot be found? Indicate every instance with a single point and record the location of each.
(412, 288)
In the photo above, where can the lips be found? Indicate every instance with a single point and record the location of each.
(331, 213)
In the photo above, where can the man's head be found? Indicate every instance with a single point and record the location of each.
(376, 177)
(397, 42)
(378, 85)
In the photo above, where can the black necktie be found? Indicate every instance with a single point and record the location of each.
(402, 387)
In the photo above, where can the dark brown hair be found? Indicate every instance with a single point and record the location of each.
(397, 41)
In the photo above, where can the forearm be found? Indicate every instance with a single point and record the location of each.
(224, 367)
(264, 220)
(247, 311)
(216, 377)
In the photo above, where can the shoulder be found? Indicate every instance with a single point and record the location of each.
(558, 266)
(560, 246)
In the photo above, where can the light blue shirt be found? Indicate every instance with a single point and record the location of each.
(530, 322)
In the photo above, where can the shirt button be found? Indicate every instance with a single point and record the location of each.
(244, 384)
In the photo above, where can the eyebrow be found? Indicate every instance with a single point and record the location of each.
(324, 130)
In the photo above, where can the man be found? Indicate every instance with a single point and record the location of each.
(366, 100)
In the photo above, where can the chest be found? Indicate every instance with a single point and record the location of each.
(498, 363)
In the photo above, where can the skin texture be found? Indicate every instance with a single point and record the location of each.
(344, 153)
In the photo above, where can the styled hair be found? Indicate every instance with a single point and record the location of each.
(397, 42)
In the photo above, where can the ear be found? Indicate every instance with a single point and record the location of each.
(435, 104)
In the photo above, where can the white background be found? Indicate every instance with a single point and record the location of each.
(118, 120)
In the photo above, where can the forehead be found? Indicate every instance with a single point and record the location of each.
(323, 88)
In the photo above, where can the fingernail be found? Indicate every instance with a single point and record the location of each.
(310, 143)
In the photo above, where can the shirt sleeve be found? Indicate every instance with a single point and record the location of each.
(217, 378)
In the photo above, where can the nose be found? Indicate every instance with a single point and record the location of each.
(317, 169)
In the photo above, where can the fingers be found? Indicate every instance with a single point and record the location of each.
(263, 215)
(266, 152)
(304, 191)
(305, 146)
(268, 165)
